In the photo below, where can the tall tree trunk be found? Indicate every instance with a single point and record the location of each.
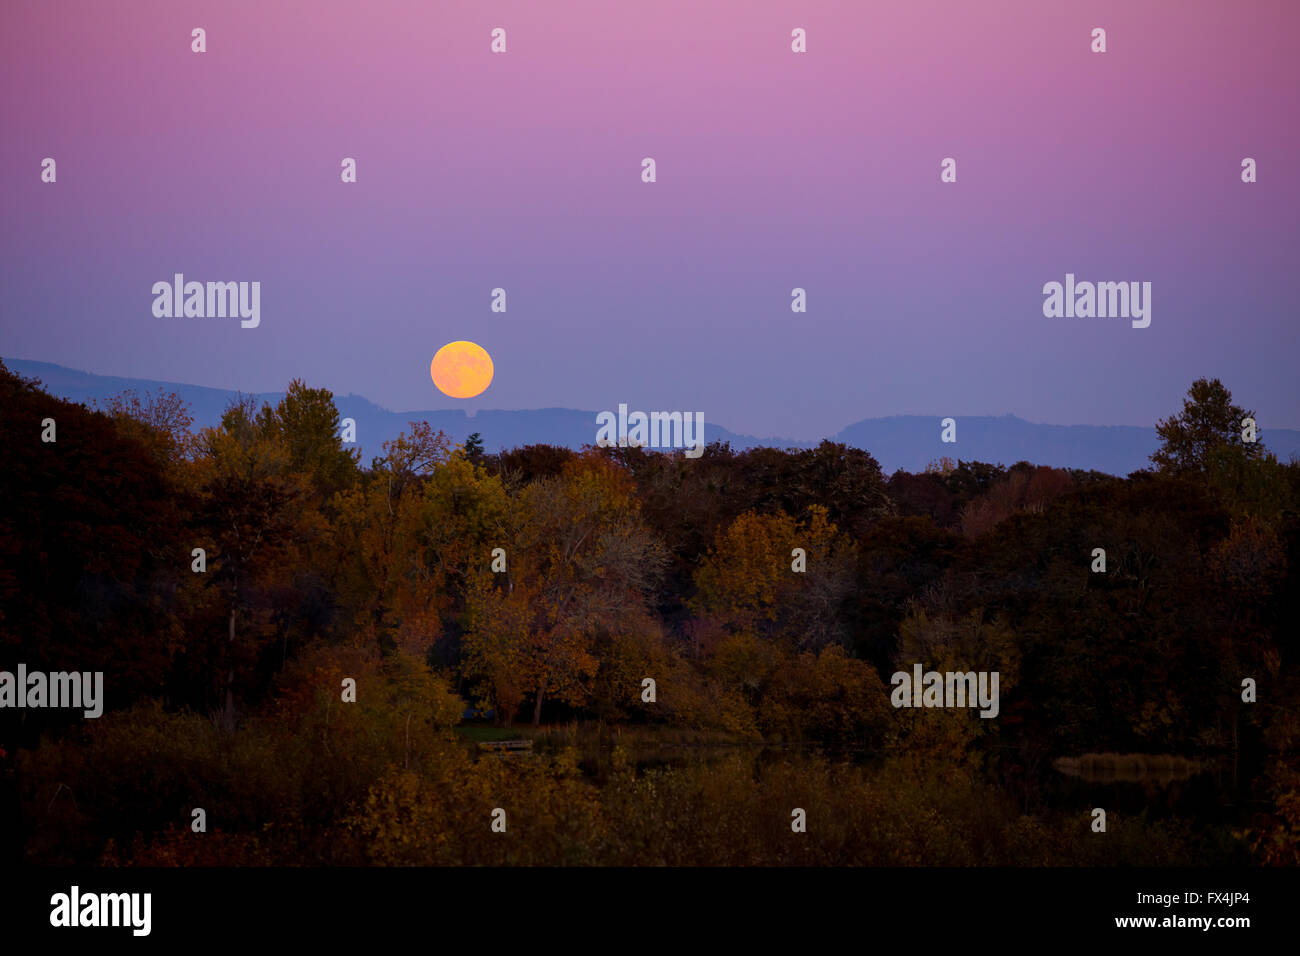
(229, 718)
(537, 709)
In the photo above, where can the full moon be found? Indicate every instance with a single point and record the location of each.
(461, 369)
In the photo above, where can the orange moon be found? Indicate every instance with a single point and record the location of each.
(461, 369)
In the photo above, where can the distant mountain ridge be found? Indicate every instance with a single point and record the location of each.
(909, 442)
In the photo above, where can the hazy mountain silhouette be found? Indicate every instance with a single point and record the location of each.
(901, 441)
(911, 441)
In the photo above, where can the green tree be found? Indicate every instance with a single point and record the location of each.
(474, 448)
(307, 422)
(1207, 422)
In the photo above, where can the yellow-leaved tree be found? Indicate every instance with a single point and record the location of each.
(580, 560)
(769, 576)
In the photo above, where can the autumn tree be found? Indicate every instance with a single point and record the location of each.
(1025, 488)
(943, 467)
(372, 534)
(160, 418)
(925, 494)
(518, 466)
(750, 580)
(463, 515)
(941, 641)
(378, 527)
(581, 560)
(414, 454)
(250, 506)
(92, 547)
(900, 558)
(305, 424)
(414, 530)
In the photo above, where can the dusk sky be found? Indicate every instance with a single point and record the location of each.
(775, 170)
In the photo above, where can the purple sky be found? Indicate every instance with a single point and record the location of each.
(775, 170)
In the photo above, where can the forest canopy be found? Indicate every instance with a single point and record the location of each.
(229, 581)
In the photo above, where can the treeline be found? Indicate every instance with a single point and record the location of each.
(227, 581)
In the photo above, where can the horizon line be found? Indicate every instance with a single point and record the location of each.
(472, 413)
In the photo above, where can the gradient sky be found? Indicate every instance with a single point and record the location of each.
(775, 170)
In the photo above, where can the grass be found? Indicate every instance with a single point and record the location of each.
(593, 738)
(486, 733)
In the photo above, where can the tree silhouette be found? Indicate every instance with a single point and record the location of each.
(1207, 422)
